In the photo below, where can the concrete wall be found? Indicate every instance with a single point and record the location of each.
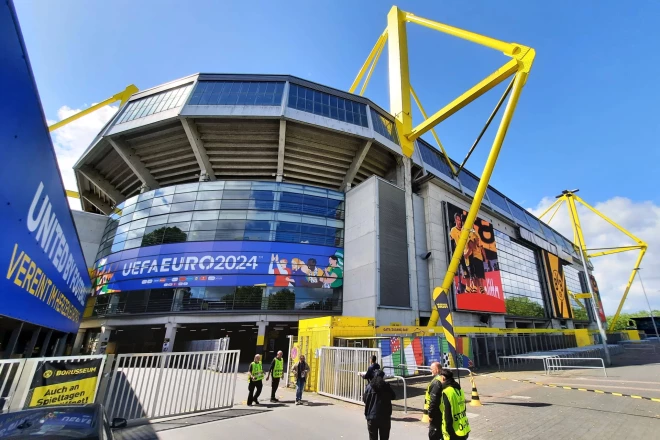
(90, 231)
(361, 250)
(423, 286)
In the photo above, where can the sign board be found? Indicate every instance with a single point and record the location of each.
(64, 383)
(45, 279)
(221, 263)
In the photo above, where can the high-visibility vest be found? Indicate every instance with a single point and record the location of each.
(457, 409)
(278, 369)
(427, 397)
(257, 371)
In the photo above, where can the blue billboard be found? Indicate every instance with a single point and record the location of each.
(220, 263)
(45, 280)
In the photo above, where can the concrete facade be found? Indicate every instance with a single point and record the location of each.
(90, 229)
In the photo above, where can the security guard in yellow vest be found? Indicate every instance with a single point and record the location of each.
(446, 407)
(276, 369)
(255, 380)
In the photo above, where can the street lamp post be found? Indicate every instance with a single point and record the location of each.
(639, 274)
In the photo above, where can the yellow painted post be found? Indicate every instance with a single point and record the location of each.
(399, 77)
(582, 337)
(518, 84)
(633, 335)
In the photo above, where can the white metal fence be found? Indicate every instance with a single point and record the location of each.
(10, 372)
(165, 384)
(556, 364)
(340, 369)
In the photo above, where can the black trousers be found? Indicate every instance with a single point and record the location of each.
(377, 427)
(435, 433)
(251, 387)
(274, 385)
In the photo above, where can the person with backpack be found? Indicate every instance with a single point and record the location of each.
(377, 400)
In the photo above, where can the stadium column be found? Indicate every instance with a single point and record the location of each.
(29, 348)
(405, 173)
(261, 336)
(104, 337)
(80, 337)
(170, 335)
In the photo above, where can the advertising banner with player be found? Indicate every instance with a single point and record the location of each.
(477, 284)
(220, 263)
(554, 273)
(64, 383)
(599, 301)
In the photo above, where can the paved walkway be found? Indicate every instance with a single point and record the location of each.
(510, 410)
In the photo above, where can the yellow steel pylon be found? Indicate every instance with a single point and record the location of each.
(578, 237)
(400, 90)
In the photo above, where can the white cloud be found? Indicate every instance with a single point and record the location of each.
(641, 219)
(73, 139)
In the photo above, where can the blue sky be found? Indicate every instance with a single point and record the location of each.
(587, 118)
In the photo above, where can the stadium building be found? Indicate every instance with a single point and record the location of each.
(236, 205)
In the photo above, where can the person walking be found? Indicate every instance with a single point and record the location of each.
(255, 380)
(446, 408)
(276, 369)
(370, 374)
(377, 400)
(301, 372)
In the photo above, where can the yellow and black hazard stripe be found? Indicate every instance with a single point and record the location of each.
(550, 385)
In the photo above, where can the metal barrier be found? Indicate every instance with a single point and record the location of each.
(339, 372)
(557, 363)
(10, 372)
(152, 385)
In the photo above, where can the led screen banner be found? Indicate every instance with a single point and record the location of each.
(554, 273)
(44, 277)
(221, 263)
(477, 284)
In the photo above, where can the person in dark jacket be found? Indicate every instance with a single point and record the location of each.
(369, 375)
(444, 413)
(377, 400)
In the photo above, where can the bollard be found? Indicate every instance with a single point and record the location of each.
(475, 395)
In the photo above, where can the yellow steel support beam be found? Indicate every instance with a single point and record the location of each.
(399, 77)
(642, 251)
(611, 222)
(400, 105)
(373, 66)
(466, 98)
(435, 135)
(72, 194)
(379, 43)
(556, 203)
(122, 97)
(518, 85)
(614, 251)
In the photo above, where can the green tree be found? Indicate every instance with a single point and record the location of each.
(283, 299)
(625, 319)
(580, 313)
(523, 306)
(166, 234)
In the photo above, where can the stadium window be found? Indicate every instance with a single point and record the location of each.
(330, 106)
(384, 126)
(153, 104)
(237, 93)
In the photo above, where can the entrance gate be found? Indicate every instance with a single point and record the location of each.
(339, 372)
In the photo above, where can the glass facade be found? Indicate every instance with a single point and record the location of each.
(153, 104)
(237, 93)
(330, 106)
(519, 270)
(434, 159)
(384, 126)
(572, 276)
(222, 211)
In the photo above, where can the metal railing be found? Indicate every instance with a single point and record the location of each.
(556, 363)
(339, 372)
(165, 384)
(10, 372)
